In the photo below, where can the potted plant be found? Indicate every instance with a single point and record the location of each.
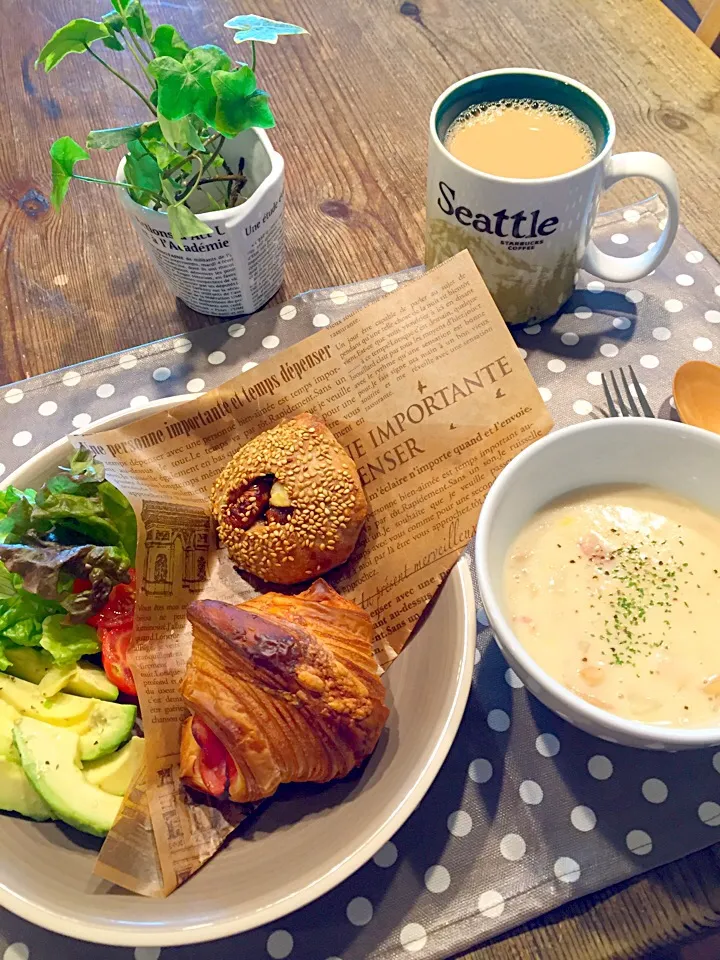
(199, 177)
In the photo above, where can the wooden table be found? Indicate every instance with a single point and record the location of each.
(352, 102)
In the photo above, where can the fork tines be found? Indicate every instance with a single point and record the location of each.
(625, 402)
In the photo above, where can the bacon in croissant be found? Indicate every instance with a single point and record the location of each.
(287, 685)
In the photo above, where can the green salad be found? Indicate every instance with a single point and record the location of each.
(62, 550)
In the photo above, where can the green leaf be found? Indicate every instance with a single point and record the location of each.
(23, 633)
(141, 169)
(64, 154)
(174, 131)
(119, 511)
(7, 583)
(163, 154)
(239, 104)
(62, 483)
(186, 87)
(74, 519)
(74, 37)
(184, 223)
(178, 89)
(84, 467)
(167, 42)
(113, 21)
(193, 137)
(16, 511)
(202, 62)
(113, 137)
(259, 113)
(136, 16)
(238, 83)
(251, 27)
(21, 613)
(11, 495)
(14, 526)
(113, 42)
(66, 643)
(152, 130)
(170, 188)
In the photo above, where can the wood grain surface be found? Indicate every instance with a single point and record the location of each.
(352, 102)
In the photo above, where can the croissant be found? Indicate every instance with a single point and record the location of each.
(286, 686)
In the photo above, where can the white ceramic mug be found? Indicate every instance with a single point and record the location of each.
(529, 236)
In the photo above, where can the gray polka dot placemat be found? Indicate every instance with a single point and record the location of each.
(527, 812)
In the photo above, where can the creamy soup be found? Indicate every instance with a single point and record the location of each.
(615, 592)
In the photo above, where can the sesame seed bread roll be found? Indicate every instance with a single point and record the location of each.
(289, 505)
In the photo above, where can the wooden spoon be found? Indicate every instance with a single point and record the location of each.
(696, 388)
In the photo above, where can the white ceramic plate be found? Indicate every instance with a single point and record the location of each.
(304, 842)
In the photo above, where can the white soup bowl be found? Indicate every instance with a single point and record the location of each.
(671, 456)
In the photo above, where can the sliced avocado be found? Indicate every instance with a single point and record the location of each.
(50, 758)
(101, 726)
(56, 679)
(8, 716)
(90, 681)
(109, 725)
(114, 773)
(18, 795)
(62, 709)
(16, 792)
(87, 680)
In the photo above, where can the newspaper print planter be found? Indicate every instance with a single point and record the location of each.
(240, 266)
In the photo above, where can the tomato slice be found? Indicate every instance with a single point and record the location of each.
(114, 642)
(119, 608)
(213, 758)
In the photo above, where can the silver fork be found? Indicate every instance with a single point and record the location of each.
(624, 404)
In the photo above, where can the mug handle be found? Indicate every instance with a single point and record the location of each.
(625, 269)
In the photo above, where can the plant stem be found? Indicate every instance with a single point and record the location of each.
(115, 183)
(232, 176)
(132, 46)
(123, 79)
(175, 166)
(216, 151)
(252, 47)
(185, 196)
(132, 42)
(178, 163)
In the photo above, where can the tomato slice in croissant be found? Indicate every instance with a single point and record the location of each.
(287, 684)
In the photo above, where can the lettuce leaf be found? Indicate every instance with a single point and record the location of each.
(76, 506)
(73, 519)
(119, 511)
(48, 571)
(21, 614)
(78, 526)
(84, 468)
(16, 511)
(66, 644)
(23, 633)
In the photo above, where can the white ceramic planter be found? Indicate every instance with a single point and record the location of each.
(239, 267)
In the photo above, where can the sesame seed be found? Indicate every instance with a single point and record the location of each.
(327, 502)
